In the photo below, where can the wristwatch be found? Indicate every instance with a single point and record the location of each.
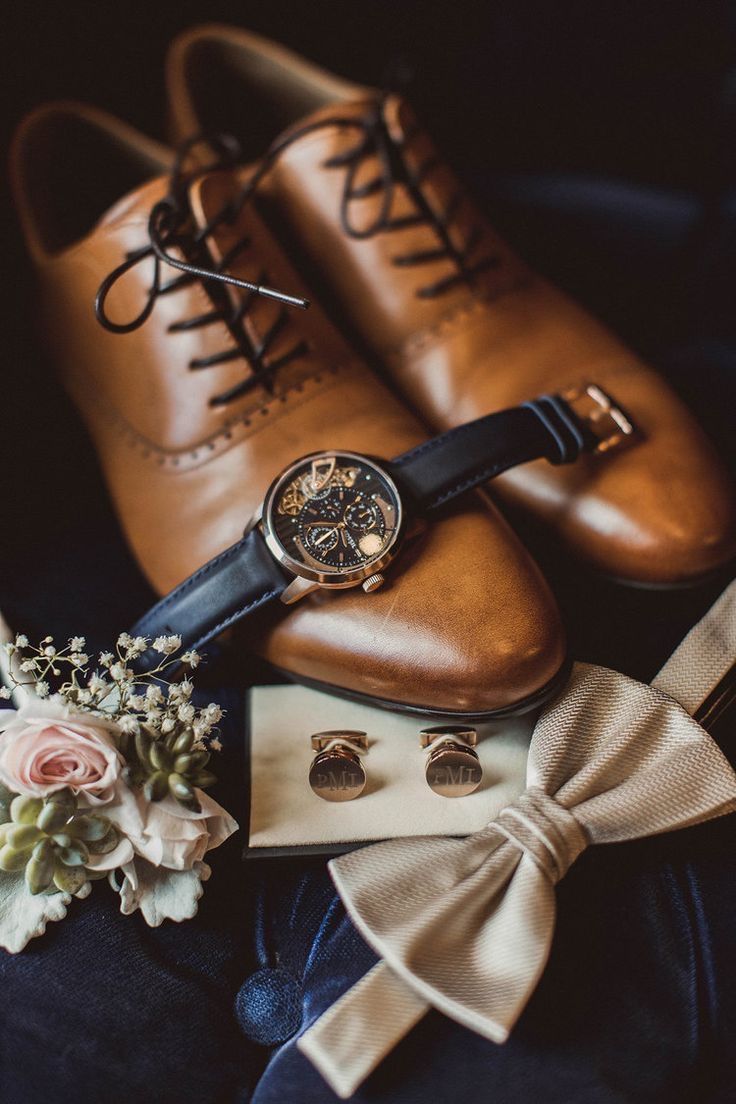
(337, 519)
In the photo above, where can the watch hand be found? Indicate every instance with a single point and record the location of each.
(325, 535)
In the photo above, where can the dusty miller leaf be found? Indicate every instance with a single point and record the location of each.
(24, 916)
(161, 894)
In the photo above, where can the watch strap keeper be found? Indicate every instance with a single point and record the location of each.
(464, 457)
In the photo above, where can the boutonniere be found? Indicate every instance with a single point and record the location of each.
(103, 773)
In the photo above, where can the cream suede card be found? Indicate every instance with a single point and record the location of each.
(286, 815)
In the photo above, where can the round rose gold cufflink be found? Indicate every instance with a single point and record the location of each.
(336, 773)
(453, 768)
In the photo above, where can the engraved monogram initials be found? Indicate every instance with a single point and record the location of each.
(344, 779)
(452, 776)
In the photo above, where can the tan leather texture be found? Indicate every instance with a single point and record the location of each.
(465, 624)
(661, 512)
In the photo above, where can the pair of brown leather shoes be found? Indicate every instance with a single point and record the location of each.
(197, 396)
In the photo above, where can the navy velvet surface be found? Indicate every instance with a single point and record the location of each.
(638, 1001)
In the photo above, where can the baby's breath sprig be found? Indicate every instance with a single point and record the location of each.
(134, 700)
(45, 663)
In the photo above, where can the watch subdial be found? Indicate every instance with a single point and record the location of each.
(327, 512)
(362, 516)
(320, 540)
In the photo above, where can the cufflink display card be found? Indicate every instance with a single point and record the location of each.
(287, 817)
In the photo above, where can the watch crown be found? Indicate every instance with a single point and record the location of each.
(373, 582)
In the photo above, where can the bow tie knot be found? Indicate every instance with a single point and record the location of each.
(544, 829)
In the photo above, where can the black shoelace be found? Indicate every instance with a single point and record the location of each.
(169, 219)
(169, 227)
(375, 139)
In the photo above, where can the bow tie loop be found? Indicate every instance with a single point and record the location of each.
(543, 829)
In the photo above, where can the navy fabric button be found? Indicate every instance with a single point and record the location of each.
(268, 1006)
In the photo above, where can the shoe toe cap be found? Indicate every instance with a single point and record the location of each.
(466, 624)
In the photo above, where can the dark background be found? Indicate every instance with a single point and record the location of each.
(645, 91)
(600, 136)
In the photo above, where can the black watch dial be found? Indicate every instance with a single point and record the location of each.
(333, 514)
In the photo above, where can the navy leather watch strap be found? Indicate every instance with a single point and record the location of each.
(246, 576)
(232, 585)
(471, 454)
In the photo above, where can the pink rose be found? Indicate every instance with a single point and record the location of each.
(46, 746)
(167, 834)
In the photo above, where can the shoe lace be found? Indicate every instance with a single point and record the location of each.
(170, 227)
(374, 139)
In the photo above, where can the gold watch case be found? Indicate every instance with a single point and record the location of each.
(329, 470)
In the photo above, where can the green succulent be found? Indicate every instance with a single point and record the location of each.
(51, 840)
(171, 765)
(6, 797)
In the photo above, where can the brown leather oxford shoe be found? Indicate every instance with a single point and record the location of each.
(357, 190)
(206, 393)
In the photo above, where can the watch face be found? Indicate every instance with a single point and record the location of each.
(333, 517)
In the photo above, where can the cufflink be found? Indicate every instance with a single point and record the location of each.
(336, 773)
(453, 768)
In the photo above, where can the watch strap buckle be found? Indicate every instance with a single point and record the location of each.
(600, 415)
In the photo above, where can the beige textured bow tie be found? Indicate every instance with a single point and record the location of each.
(465, 925)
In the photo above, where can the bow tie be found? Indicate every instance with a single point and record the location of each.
(465, 925)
